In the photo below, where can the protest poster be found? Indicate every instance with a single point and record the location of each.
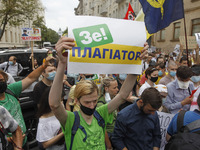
(105, 45)
(197, 35)
(31, 34)
(165, 119)
(191, 42)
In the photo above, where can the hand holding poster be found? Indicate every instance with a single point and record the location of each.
(105, 45)
(31, 34)
(191, 42)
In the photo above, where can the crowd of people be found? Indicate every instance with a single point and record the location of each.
(119, 113)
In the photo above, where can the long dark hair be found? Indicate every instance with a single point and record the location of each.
(44, 107)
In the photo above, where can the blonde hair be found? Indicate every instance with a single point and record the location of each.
(71, 92)
(85, 87)
(105, 83)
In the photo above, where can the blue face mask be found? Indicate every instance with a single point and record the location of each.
(172, 73)
(51, 75)
(11, 63)
(160, 73)
(195, 79)
(122, 76)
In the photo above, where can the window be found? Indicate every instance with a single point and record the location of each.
(194, 0)
(177, 27)
(195, 26)
(162, 35)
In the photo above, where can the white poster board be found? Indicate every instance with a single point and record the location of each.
(31, 34)
(191, 42)
(165, 119)
(105, 45)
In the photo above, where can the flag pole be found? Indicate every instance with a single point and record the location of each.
(186, 44)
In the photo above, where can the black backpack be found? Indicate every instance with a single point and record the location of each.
(184, 139)
(77, 125)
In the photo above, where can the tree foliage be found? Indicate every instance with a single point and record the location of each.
(48, 35)
(15, 12)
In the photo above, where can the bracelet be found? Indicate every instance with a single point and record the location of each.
(14, 144)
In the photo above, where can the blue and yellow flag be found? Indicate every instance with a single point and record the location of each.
(160, 13)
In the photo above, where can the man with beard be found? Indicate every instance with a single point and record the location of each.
(137, 126)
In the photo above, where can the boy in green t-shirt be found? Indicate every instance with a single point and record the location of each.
(86, 95)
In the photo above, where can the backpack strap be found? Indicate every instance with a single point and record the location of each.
(17, 68)
(75, 127)
(192, 126)
(180, 120)
(101, 102)
(100, 120)
(8, 91)
(6, 67)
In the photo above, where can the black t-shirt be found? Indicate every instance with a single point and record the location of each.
(38, 90)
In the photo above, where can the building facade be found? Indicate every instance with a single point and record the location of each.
(166, 39)
(12, 35)
(106, 8)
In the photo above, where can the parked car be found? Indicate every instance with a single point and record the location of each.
(23, 56)
(29, 108)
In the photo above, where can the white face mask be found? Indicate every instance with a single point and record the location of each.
(107, 97)
(183, 85)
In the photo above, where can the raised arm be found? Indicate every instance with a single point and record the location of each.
(56, 89)
(179, 55)
(126, 88)
(34, 75)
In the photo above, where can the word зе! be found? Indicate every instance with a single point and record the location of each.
(93, 36)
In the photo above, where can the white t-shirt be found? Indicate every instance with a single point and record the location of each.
(10, 79)
(47, 129)
(143, 87)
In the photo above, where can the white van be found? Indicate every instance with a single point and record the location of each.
(46, 44)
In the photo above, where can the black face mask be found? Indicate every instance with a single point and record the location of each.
(3, 87)
(87, 111)
(154, 79)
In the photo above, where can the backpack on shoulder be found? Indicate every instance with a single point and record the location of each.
(6, 68)
(8, 91)
(184, 139)
(77, 125)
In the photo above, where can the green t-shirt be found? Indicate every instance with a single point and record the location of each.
(95, 133)
(110, 126)
(13, 106)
